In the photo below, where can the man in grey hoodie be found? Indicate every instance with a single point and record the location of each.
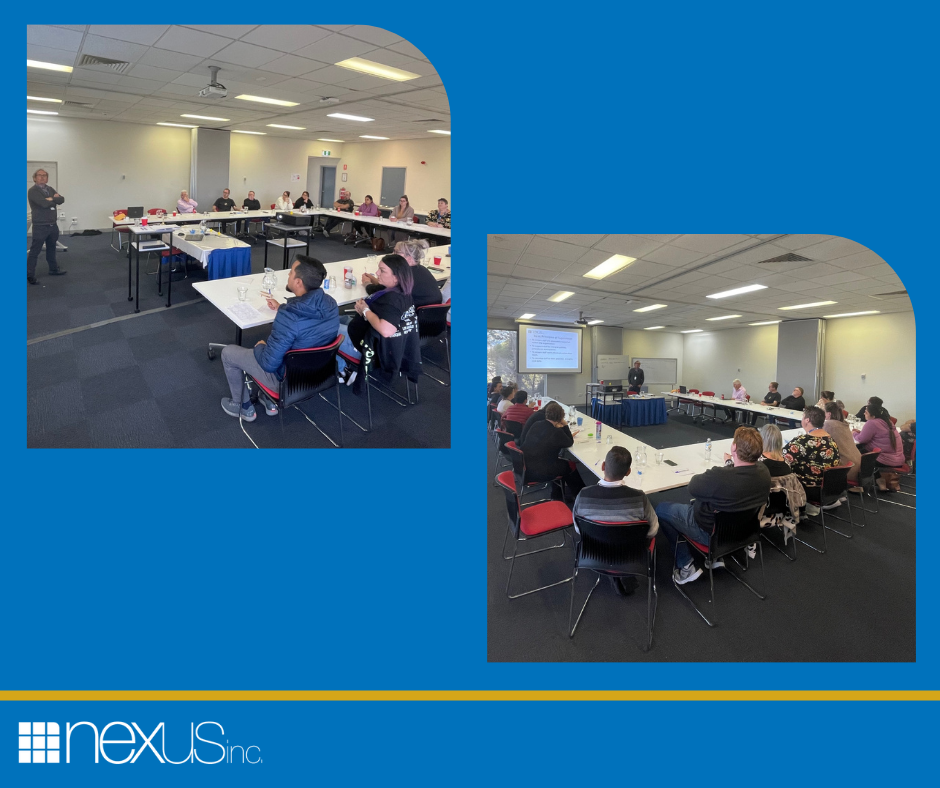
(43, 200)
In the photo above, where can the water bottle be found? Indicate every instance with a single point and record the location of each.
(597, 432)
(349, 278)
(708, 449)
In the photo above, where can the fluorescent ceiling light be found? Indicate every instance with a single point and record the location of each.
(651, 307)
(438, 131)
(561, 295)
(594, 322)
(263, 100)
(610, 266)
(527, 316)
(653, 328)
(723, 317)
(854, 314)
(280, 126)
(179, 125)
(203, 117)
(41, 112)
(240, 131)
(369, 137)
(691, 331)
(766, 323)
(341, 116)
(738, 291)
(374, 69)
(324, 139)
(49, 66)
(807, 306)
(37, 98)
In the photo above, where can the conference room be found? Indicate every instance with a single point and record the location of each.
(227, 223)
(700, 448)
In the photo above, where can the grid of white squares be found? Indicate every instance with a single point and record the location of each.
(39, 742)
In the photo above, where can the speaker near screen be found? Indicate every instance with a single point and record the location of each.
(549, 349)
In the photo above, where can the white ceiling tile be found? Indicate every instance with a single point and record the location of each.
(229, 31)
(794, 242)
(832, 249)
(112, 48)
(672, 255)
(579, 240)
(285, 38)
(708, 244)
(335, 47)
(556, 249)
(191, 42)
(246, 55)
(498, 255)
(537, 261)
(138, 34)
(372, 35)
(292, 66)
(629, 245)
(45, 54)
(407, 48)
(163, 75)
(55, 37)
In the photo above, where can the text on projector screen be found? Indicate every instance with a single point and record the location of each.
(547, 349)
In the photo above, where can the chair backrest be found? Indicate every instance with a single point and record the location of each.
(707, 393)
(866, 468)
(503, 437)
(273, 206)
(893, 420)
(155, 211)
(309, 371)
(514, 427)
(777, 504)
(835, 482)
(617, 548)
(432, 320)
(695, 391)
(845, 414)
(734, 530)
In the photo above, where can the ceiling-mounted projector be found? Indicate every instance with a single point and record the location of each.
(213, 90)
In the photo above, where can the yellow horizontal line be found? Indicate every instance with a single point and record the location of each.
(472, 695)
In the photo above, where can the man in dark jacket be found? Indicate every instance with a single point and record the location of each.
(309, 320)
(43, 200)
(636, 377)
(795, 401)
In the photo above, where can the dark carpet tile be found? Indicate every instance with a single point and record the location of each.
(86, 315)
(43, 307)
(46, 324)
(167, 374)
(226, 436)
(49, 370)
(54, 407)
(72, 436)
(193, 411)
(103, 393)
(110, 358)
(156, 345)
(143, 325)
(138, 425)
(49, 347)
(117, 296)
(97, 336)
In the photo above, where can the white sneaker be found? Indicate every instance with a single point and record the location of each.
(351, 377)
(686, 574)
(835, 505)
(752, 551)
(717, 565)
(812, 510)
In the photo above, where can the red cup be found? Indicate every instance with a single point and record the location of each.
(540, 399)
(357, 213)
(437, 261)
(144, 221)
(174, 213)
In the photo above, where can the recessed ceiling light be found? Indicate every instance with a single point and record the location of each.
(364, 66)
(49, 66)
(610, 266)
(527, 316)
(324, 139)
(341, 116)
(438, 131)
(204, 117)
(561, 295)
(855, 314)
(370, 137)
(651, 307)
(807, 306)
(653, 328)
(263, 100)
(281, 126)
(594, 322)
(41, 112)
(37, 98)
(241, 131)
(179, 125)
(691, 331)
(738, 291)
(766, 323)
(723, 317)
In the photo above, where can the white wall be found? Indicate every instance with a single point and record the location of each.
(652, 344)
(882, 347)
(712, 359)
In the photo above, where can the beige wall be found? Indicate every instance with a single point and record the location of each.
(883, 348)
(652, 344)
(424, 183)
(712, 359)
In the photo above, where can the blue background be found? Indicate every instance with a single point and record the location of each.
(367, 571)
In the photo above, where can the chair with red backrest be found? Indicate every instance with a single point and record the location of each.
(308, 373)
(432, 329)
(119, 229)
(689, 403)
(834, 487)
(615, 550)
(845, 414)
(733, 531)
(903, 471)
(712, 405)
(155, 211)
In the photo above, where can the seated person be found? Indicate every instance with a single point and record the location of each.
(426, 290)
(635, 377)
(250, 203)
(345, 204)
(283, 202)
(782, 479)
(509, 391)
(810, 454)
(839, 431)
(876, 401)
(440, 217)
(534, 419)
(824, 397)
(611, 501)
(519, 411)
(738, 487)
(403, 212)
(542, 444)
(309, 320)
(185, 204)
(772, 397)
(738, 394)
(491, 385)
(496, 393)
(303, 201)
(795, 400)
(368, 208)
(224, 203)
(879, 433)
(772, 455)
(390, 312)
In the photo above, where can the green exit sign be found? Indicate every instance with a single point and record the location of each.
(326, 153)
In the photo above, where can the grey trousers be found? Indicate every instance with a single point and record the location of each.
(46, 234)
(235, 361)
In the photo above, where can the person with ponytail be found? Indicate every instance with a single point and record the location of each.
(879, 433)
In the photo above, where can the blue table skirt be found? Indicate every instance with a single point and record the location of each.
(631, 412)
(224, 263)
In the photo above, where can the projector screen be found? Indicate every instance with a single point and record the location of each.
(549, 349)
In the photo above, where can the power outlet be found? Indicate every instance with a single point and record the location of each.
(61, 214)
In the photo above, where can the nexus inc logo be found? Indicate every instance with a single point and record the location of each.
(39, 742)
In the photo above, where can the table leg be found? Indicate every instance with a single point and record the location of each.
(238, 335)
(264, 240)
(137, 302)
(169, 277)
(286, 238)
(129, 296)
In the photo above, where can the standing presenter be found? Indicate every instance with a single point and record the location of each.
(43, 200)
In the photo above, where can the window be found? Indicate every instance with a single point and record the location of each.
(501, 358)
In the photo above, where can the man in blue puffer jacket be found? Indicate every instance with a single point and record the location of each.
(309, 320)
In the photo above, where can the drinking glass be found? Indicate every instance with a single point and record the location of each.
(659, 457)
(242, 292)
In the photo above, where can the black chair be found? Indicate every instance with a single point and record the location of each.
(502, 438)
(835, 485)
(733, 531)
(514, 427)
(867, 472)
(309, 372)
(615, 550)
(777, 504)
(523, 485)
(433, 329)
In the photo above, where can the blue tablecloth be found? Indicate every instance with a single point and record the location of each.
(631, 412)
(224, 263)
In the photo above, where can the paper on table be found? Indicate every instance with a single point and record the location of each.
(244, 312)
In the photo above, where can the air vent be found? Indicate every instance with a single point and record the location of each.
(120, 66)
(789, 257)
(431, 120)
(892, 293)
(77, 104)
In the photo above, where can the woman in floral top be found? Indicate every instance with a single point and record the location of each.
(810, 454)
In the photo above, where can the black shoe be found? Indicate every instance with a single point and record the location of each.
(32, 280)
(625, 586)
(60, 272)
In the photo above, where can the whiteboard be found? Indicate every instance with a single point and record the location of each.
(612, 367)
(659, 370)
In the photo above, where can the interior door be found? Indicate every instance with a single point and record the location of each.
(327, 186)
(393, 186)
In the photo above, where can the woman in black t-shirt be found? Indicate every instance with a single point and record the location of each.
(390, 312)
(425, 290)
(542, 445)
(303, 201)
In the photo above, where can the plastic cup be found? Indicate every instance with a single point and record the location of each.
(659, 457)
(174, 213)
(242, 292)
(580, 420)
(144, 221)
(437, 261)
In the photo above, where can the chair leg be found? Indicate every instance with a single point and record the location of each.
(684, 594)
(777, 547)
(571, 630)
(342, 413)
(534, 590)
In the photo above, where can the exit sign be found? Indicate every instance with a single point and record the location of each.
(326, 153)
